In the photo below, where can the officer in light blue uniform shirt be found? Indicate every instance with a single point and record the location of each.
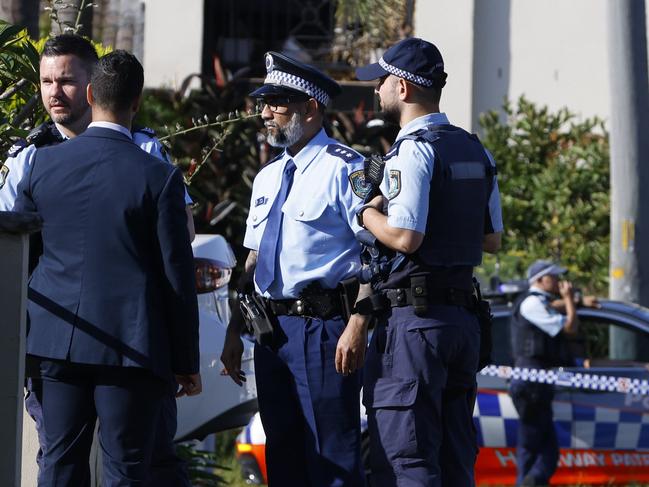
(318, 240)
(443, 210)
(301, 231)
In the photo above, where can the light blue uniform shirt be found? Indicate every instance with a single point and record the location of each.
(537, 310)
(407, 178)
(317, 241)
(16, 167)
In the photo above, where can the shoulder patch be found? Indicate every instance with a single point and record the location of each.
(394, 183)
(344, 153)
(359, 186)
(4, 171)
(15, 149)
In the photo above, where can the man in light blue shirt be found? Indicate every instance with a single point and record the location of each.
(301, 232)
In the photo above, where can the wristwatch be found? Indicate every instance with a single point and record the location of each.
(359, 214)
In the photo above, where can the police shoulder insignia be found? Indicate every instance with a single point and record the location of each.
(4, 171)
(359, 186)
(394, 183)
(346, 154)
(15, 149)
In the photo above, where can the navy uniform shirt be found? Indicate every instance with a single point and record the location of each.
(318, 237)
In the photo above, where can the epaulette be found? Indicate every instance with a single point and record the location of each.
(18, 146)
(344, 153)
(45, 134)
(144, 130)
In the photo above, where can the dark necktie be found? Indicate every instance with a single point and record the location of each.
(267, 255)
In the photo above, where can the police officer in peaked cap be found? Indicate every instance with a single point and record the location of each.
(443, 210)
(301, 231)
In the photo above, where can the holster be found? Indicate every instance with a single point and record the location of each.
(348, 295)
(485, 319)
(255, 314)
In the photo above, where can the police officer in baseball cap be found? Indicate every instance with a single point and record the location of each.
(301, 232)
(543, 318)
(443, 210)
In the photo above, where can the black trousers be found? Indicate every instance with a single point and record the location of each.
(126, 401)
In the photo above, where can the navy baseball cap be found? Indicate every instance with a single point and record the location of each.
(289, 77)
(413, 59)
(542, 268)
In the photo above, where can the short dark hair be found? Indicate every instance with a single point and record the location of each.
(117, 80)
(74, 45)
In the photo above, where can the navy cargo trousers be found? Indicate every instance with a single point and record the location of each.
(419, 392)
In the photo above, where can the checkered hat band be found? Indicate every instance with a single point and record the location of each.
(276, 77)
(405, 74)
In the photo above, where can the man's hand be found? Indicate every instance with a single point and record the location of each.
(565, 290)
(190, 384)
(350, 351)
(231, 357)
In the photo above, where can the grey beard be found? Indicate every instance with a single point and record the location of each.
(289, 135)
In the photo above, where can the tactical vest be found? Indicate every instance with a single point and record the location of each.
(531, 346)
(459, 194)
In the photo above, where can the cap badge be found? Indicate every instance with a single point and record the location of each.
(269, 63)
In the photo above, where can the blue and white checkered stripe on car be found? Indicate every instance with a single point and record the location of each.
(578, 426)
(577, 380)
(282, 78)
(405, 74)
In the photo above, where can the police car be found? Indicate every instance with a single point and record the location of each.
(601, 413)
(222, 404)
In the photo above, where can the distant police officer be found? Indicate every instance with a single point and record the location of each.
(65, 69)
(301, 231)
(443, 209)
(543, 317)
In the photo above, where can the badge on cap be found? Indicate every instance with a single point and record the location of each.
(269, 62)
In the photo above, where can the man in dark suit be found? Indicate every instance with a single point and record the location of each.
(112, 303)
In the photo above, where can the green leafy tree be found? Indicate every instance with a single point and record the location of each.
(19, 107)
(553, 175)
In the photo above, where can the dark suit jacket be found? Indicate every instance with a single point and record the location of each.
(115, 284)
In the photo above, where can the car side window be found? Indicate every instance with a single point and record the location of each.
(610, 343)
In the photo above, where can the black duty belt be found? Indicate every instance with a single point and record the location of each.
(302, 307)
(445, 297)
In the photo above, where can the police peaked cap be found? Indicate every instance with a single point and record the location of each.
(412, 59)
(286, 76)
